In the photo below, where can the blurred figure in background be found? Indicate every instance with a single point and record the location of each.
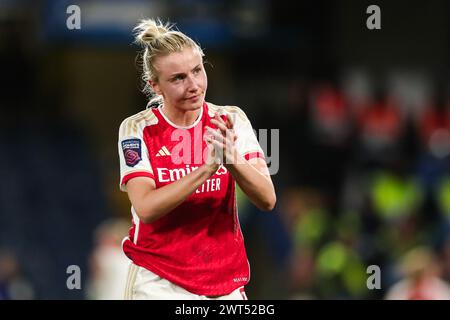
(421, 278)
(381, 126)
(13, 283)
(108, 263)
(445, 259)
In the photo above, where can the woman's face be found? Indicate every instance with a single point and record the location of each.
(182, 79)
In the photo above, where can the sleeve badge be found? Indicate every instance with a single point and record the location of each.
(132, 151)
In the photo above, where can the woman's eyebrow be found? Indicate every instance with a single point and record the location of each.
(177, 74)
(182, 73)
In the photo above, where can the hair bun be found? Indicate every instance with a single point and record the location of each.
(148, 30)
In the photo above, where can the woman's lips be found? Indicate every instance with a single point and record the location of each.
(194, 98)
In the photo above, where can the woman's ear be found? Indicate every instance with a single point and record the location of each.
(155, 87)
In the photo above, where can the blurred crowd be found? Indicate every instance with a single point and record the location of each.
(365, 181)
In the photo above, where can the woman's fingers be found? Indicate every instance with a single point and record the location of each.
(221, 125)
(223, 139)
(217, 136)
(230, 121)
(218, 144)
(208, 139)
(226, 132)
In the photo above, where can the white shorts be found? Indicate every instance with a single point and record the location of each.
(143, 284)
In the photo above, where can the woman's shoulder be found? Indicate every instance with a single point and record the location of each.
(226, 109)
(139, 120)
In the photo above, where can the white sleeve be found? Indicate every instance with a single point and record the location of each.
(133, 153)
(247, 144)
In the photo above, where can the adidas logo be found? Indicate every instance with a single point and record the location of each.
(163, 152)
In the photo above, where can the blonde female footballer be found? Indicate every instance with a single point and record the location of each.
(179, 162)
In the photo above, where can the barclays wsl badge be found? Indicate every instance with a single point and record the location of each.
(131, 151)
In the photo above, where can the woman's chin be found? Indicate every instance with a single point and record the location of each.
(195, 105)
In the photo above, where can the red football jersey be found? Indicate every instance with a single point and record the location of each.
(198, 245)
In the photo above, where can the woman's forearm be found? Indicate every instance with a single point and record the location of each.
(258, 187)
(153, 204)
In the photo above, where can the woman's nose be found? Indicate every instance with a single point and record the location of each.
(192, 83)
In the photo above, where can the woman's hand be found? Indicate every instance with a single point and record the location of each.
(213, 160)
(223, 139)
(253, 179)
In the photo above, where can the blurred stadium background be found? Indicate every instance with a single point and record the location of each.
(364, 119)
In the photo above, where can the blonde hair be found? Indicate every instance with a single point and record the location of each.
(158, 39)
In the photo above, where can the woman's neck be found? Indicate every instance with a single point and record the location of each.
(181, 118)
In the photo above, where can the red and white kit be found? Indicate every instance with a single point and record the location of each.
(199, 245)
